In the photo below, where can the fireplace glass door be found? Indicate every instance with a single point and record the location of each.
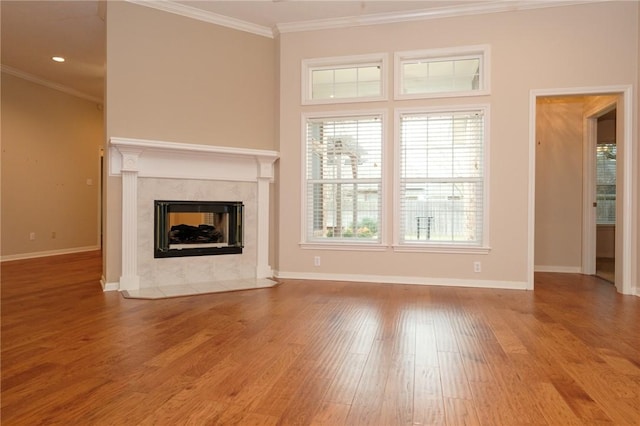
(198, 228)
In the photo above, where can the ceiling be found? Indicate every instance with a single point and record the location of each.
(34, 31)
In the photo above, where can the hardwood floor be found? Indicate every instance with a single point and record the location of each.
(315, 353)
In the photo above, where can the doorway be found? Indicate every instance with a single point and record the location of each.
(624, 227)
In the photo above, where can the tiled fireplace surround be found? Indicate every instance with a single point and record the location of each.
(156, 170)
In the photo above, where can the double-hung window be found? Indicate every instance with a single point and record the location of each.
(343, 179)
(442, 184)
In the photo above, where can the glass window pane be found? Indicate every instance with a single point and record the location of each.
(440, 69)
(322, 84)
(441, 185)
(344, 179)
(431, 75)
(346, 81)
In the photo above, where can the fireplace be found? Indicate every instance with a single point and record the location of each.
(197, 228)
(157, 170)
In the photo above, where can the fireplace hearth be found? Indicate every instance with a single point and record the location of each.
(198, 228)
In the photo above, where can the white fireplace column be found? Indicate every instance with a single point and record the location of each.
(129, 280)
(265, 177)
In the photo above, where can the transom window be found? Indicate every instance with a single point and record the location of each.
(441, 193)
(442, 72)
(343, 179)
(345, 79)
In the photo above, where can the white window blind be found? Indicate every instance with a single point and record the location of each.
(442, 178)
(343, 179)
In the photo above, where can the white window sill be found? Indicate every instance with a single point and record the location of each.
(435, 248)
(348, 246)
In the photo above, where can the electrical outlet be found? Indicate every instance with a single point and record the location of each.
(316, 261)
(32, 236)
(53, 234)
(477, 267)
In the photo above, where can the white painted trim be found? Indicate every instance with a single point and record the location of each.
(495, 6)
(420, 15)
(160, 159)
(50, 84)
(47, 253)
(203, 15)
(423, 248)
(558, 269)
(630, 189)
(108, 286)
(347, 246)
(129, 280)
(308, 65)
(485, 246)
(482, 52)
(381, 244)
(629, 219)
(588, 192)
(135, 158)
(395, 279)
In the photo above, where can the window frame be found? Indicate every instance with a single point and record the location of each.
(599, 197)
(352, 61)
(483, 247)
(482, 52)
(364, 245)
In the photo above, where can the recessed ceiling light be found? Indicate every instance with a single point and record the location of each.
(58, 58)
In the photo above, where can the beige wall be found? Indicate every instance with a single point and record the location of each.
(558, 220)
(50, 147)
(176, 79)
(535, 49)
(636, 172)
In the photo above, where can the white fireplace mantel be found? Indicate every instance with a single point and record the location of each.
(134, 158)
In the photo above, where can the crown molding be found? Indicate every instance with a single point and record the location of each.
(425, 14)
(50, 84)
(494, 6)
(202, 15)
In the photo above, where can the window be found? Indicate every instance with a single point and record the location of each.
(343, 179)
(346, 79)
(606, 183)
(441, 194)
(442, 72)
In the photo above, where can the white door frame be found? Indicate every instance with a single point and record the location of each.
(628, 231)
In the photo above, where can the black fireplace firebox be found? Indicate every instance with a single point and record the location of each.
(198, 228)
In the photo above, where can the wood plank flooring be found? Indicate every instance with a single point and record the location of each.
(315, 353)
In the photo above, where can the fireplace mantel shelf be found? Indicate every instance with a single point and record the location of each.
(195, 148)
(189, 161)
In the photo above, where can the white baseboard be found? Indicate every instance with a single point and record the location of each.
(47, 253)
(390, 279)
(108, 286)
(558, 269)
